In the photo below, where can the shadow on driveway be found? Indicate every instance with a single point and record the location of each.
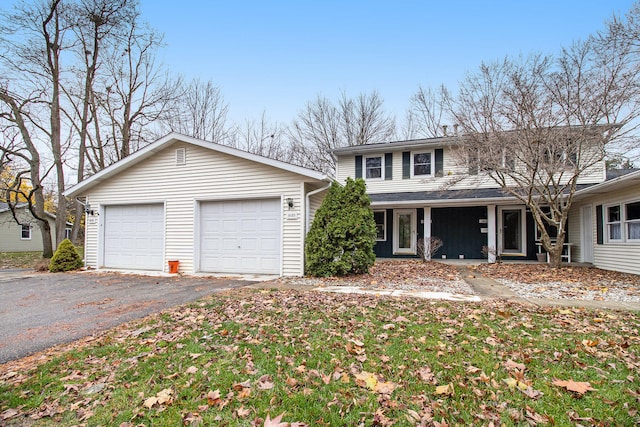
(40, 310)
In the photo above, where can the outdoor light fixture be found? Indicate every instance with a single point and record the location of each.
(89, 211)
(290, 203)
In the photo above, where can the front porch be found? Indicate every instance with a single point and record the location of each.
(472, 232)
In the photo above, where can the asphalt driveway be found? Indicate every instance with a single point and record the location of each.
(40, 310)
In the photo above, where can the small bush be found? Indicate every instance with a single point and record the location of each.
(66, 258)
(343, 233)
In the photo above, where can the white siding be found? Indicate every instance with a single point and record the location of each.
(622, 257)
(455, 176)
(574, 236)
(207, 175)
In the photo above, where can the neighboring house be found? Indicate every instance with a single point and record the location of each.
(418, 190)
(25, 235)
(211, 207)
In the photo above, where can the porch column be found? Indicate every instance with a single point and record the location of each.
(491, 233)
(427, 232)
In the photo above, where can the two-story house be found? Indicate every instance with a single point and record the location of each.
(421, 189)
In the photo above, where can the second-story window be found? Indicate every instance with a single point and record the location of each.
(373, 167)
(421, 164)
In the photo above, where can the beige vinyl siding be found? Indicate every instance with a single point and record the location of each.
(207, 176)
(11, 232)
(622, 257)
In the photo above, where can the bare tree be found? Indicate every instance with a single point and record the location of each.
(17, 143)
(34, 36)
(201, 112)
(322, 126)
(263, 137)
(426, 114)
(137, 92)
(537, 125)
(95, 24)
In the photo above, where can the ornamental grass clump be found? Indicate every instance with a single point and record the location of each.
(66, 258)
(343, 233)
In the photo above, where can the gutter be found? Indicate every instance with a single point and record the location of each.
(308, 208)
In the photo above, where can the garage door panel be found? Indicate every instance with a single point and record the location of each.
(134, 236)
(246, 238)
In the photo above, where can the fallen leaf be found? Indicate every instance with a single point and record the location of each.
(575, 386)
(276, 422)
(446, 390)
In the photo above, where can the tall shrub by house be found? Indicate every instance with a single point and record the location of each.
(66, 258)
(343, 233)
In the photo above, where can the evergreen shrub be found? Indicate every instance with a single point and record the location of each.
(66, 258)
(343, 233)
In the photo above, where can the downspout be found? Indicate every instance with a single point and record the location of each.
(308, 207)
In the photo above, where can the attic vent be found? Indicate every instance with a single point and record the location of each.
(181, 156)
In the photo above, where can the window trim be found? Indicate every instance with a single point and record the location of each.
(623, 222)
(431, 163)
(23, 229)
(627, 222)
(365, 169)
(384, 224)
(608, 223)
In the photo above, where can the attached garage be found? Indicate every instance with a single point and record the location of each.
(134, 236)
(210, 207)
(241, 235)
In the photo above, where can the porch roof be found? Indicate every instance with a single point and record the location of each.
(467, 197)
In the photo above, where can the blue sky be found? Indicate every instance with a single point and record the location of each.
(275, 56)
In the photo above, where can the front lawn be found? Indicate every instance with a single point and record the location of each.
(10, 260)
(332, 359)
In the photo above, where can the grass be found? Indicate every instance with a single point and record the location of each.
(25, 259)
(327, 359)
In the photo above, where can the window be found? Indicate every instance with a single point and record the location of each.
(613, 223)
(381, 224)
(373, 167)
(632, 220)
(421, 164)
(25, 233)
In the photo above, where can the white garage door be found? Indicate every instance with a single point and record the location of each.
(240, 236)
(133, 236)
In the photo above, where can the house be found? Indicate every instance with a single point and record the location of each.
(608, 214)
(212, 208)
(419, 189)
(22, 236)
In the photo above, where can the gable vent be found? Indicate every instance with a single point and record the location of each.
(181, 156)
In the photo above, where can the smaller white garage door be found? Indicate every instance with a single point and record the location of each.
(240, 236)
(133, 237)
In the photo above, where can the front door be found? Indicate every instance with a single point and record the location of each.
(404, 231)
(512, 231)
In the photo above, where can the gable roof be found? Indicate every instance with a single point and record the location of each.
(174, 137)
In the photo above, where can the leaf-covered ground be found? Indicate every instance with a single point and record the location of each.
(568, 282)
(260, 358)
